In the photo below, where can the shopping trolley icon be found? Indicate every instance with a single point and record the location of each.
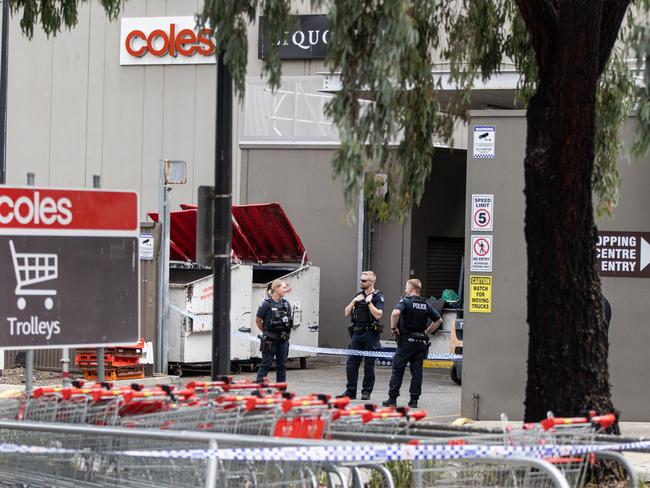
(33, 268)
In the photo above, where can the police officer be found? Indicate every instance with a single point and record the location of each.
(408, 322)
(275, 320)
(365, 310)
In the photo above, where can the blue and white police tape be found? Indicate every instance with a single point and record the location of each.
(390, 452)
(351, 453)
(332, 351)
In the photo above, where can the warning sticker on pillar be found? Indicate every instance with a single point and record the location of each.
(484, 141)
(623, 254)
(480, 294)
(481, 254)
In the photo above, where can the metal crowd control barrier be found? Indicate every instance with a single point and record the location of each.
(72, 455)
(96, 456)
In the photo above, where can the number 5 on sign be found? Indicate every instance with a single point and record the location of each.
(482, 212)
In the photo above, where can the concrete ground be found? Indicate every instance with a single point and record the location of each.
(440, 396)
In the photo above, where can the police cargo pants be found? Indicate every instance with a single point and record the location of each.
(413, 353)
(362, 341)
(280, 351)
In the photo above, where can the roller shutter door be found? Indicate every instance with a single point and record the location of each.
(444, 255)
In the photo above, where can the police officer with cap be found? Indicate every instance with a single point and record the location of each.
(274, 318)
(408, 322)
(365, 310)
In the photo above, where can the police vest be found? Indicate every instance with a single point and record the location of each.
(280, 320)
(415, 316)
(361, 312)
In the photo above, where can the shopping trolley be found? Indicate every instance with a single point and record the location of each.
(33, 268)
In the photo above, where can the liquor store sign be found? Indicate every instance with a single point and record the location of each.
(308, 41)
(623, 254)
(71, 268)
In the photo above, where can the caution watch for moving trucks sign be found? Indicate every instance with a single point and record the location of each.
(70, 267)
(480, 294)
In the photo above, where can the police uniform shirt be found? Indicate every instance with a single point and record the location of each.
(377, 300)
(407, 302)
(264, 311)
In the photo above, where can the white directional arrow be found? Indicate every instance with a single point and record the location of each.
(645, 254)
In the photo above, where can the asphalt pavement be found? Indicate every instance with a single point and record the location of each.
(440, 396)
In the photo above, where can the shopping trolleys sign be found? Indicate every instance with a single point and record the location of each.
(70, 267)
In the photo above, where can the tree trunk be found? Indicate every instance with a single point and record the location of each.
(567, 355)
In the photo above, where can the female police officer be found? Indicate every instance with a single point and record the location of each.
(274, 319)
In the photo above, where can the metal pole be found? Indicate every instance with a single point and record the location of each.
(101, 371)
(29, 371)
(29, 354)
(360, 239)
(163, 273)
(3, 91)
(222, 224)
(212, 467)
(65, 367)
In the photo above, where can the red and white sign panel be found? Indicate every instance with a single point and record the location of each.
(165, 40)
(482, 212)
(481, 253)
(28, 209)
(71, 268)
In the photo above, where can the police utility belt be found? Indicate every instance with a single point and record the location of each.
(417, 337)
(375, 327)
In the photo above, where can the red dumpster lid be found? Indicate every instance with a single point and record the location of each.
(240, 245)
(182, 233)
(260, 233)
(270, 233)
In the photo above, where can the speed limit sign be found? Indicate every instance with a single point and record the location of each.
(482, 212)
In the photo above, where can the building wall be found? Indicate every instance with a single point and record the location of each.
(74, 112)
(390, 260)
(300, 180)
(496, 344)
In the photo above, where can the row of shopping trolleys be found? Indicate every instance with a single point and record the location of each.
(256, 410)
(226, 406)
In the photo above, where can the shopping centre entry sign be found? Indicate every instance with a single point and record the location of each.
(70, 268)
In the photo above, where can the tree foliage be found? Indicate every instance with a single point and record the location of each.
(55, 15)
(390, 47)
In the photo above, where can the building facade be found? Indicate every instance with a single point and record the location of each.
(111, 99)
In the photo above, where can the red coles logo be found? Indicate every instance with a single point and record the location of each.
(161, 42)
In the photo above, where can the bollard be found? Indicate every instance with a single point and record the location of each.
(29, 371)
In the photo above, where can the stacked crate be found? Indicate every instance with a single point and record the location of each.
(120, 362)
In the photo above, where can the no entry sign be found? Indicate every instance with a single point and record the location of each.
(481, 253)
(70, 268)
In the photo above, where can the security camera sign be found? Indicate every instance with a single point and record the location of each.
(71, 268)
(484, 141)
